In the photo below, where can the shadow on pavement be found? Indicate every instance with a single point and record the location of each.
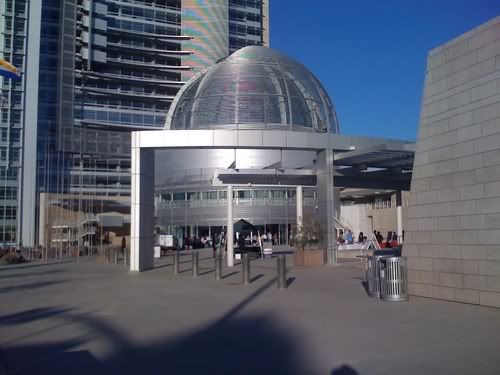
(344, 370)
(36, 285)
(232, 344)
(256, 277)
(28, 274)
(29, 265)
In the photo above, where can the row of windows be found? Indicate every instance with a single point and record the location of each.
(241, 16)
(8, 192)
(139, 73)
(136, 89)
(149, 14)
(143, 27)
(8, 213)
(124, 118)
(238, 29)
(7, 173)
(20, 6)
(122, 104)
(240, 194)
(257, 4)
(11, 154)
(144, 42)
(237, 43)
(155, 59)
(13, 133)
(7, 233)
(19, 25)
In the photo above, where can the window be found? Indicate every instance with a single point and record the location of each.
(179, 196)
(260, 194)
(244, 194)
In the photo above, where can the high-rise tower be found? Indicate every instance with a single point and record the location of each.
(92, 71)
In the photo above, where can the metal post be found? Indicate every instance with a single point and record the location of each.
(116, 255)
(246, 269)
(218, 267)
(399, 216)
(281, 271)
(230, 231)
(195, 263)
(176, 262)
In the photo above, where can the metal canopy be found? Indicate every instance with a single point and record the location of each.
(379, 156)
(375, 167)
(265, 177)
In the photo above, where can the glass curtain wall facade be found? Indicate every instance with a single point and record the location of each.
(13, 38)
(99, 69)
(248, 24)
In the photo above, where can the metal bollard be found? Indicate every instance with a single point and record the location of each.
(281, 271)
(246, 269)
(195, 263)
(116, 256)
(218, 267)
(176, 262)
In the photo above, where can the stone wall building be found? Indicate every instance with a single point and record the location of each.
(453, 227)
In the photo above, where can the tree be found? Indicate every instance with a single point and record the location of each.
(308, 235)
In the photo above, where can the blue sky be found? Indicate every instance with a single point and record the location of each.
(371, 54)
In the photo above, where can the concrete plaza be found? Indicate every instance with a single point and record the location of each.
(97, 318)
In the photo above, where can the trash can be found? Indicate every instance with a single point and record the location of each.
(393, 279)
(373, 274)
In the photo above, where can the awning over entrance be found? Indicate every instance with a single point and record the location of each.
(243, 226)
(376, 167)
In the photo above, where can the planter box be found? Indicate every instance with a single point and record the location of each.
(309, 258)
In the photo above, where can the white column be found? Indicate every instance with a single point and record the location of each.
(141, 207)
(299, 198)
(399, 215)
(230, 231)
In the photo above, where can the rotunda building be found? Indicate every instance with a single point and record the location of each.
(255, 88)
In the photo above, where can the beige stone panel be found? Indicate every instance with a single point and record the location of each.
(489, 267)
(429, 251)
(476, 282)
(443, 292)
(467, 296)
(489, 299)
(453, 280)
(492, 126)
(450, 251)
(476, 252)
(494, 283)
(469, 267)
(443, 265)
(422, 290)
(429, 277)
(424, 264)
(492, 252)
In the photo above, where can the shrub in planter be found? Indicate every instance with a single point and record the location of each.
(11, 258)
(307, 238)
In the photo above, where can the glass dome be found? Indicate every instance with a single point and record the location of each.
(254, 88)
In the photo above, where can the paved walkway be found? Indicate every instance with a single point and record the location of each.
(68, 318)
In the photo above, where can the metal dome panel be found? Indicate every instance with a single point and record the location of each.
(254, 88)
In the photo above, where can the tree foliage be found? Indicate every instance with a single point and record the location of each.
(308, 235)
